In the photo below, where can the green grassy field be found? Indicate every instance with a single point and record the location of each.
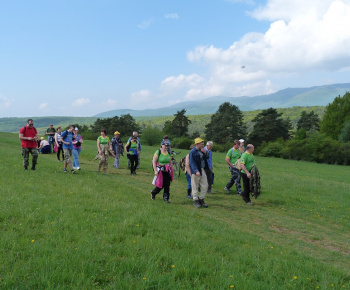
(96, 230)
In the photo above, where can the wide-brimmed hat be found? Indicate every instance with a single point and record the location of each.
(116, 133)
(198, 140)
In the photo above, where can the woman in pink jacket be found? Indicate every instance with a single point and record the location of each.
(163, 171)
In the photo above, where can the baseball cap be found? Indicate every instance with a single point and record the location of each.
(241, 140)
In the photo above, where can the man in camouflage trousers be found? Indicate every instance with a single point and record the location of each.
(28, 136)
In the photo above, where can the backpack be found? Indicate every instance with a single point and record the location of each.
(182, 163)
(238, 164)
(152, 158)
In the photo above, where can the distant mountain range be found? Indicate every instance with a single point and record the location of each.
(314, 96)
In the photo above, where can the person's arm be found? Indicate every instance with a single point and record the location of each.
(126, 149)
(245, 170)
(98, 146)
(56, 140)
(187, 165)
(193, 165)
(154, 161)
(228, 162)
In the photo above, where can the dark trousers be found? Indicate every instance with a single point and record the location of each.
(60, 149)
(209, 174)
(246, 192)
(52, 143)
(133, 162)
(166, 186)
(235, 178)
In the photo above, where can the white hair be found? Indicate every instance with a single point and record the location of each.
(210, 143)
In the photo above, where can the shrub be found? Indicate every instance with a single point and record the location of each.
(272, 149)
(152, 136)
(181, 142)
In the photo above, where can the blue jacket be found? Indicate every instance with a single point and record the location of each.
(195, 161)
(210, 157)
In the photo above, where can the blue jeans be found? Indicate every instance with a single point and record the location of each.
(76, 152)
(188, 181)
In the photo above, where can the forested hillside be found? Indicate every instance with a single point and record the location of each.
(197, 125)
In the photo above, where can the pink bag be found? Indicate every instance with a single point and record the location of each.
(55, 148)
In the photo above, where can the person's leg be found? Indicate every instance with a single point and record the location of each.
(58, 152)
(136, 160)
(75, 157)
(117, 163)
(246, 192)
(35, 155)
(203, 182)
(79, 150)
(166, 186)
(209, 174)
(231, 182)
(25, 154)
(154, 192)
(132, 163)
(194, 184)
(189, 188)
(237, 176)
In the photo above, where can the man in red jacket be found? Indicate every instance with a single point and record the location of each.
(28, 136)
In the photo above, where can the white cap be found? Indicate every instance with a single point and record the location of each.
(76, 129)
(241, 140)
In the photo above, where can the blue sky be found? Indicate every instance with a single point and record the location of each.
(80, 58)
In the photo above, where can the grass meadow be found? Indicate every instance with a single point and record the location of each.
(96, 230)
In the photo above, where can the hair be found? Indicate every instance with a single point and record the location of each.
(135, 133)
(30, 120)
(71, 126)
(191, 147)
(58, 128)
(104, 131)
(166, 137)
(236, 142)
(210, 143)
(249, 147)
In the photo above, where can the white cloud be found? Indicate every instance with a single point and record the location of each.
(145, 24)
(110, 102)
(171, 16)
(4, 102)
(304, 38)
(43, 106)
(81, 102)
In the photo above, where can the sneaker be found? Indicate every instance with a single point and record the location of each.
(72, 171)
(227, 190)
(64, 170)
(25, 168)
(196, 203)
(239, 193)
(209, 192)
(58, 160)
(189, 196)
(202, 203)
(78, 168)
(250, 203)
(153, 197)
(166, 200)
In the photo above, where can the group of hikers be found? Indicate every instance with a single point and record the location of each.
(198, 164)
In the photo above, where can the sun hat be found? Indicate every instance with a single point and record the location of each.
(241, 140)
(42, 138)
(116, 132)
(198, 140)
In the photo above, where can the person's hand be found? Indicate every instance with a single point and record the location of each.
(156, 173)
(198, 174)
(249, 175)
(99, 152)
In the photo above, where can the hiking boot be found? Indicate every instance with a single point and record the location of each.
(72, 171)
(25, 168)
(33, 167)
(196, 203)
(239, 193)
(153, 197)
(166, 200)
(209, 191)
(65, 170)
(227, 190)
(202, 203)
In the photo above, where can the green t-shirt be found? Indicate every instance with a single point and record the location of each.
(103, 141)
(132, 147)
(248, 160)
(233, 155)
(163, 158)
(51, 130)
